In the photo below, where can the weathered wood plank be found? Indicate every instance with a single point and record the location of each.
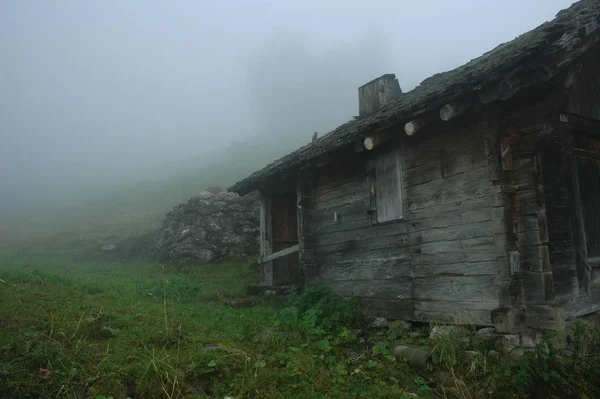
(486, 268)
(334, 221)
(398, 288)
(463, 186)
(464, 162)
(399, 309)
(402, 240)
(279, 254)
(451, 214)
(455, 288)
(446, 144)
(451, 233)
(367, 269)
(364, 255)
(471, 312)
(446, 218)
(345, 227)
(350, 208)
(351, 233)
(423, 173)
(347, 194)
(453, 247)
(440, 258)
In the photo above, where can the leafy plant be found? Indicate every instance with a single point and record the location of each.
(318, 311)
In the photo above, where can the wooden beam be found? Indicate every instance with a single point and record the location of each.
(421, 122)
(371, 142)
(414, 126)
(279, 254)
(266, 244)
(453, 110)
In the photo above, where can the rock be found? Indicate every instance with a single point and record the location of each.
(493, 356)
(378, 322)
(517, 354)
(209, 227)
(527, 343)
(415, 356)
(400, 325)
(213, 347)
(506, 343)
(440, 331)
(487, 333)
(568, 353)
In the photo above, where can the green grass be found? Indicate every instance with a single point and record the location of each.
(78, 328)
(73, 328)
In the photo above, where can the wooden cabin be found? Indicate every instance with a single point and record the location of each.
(474, 198)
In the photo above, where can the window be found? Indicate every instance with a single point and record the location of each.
(385, 185)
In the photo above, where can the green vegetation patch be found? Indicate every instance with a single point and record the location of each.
(95, 329)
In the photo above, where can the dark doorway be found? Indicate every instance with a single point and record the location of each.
(286, 270)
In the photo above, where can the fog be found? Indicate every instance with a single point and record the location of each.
(101, 94)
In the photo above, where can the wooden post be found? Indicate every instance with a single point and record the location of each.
(305, 198)
(508, 317)
(266, 241)
(583, 269)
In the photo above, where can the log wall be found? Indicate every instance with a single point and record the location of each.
(440, 259)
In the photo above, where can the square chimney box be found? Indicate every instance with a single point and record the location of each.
(374, 95)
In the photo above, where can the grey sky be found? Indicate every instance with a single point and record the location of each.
(94, 93)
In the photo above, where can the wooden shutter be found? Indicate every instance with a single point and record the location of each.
(388, 186)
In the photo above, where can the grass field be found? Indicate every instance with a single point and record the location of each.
(77, 328)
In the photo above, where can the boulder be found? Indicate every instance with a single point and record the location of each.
(486, 334)
(516, 354)
(441, 331)
(415, 356)
(377, 322)
(506, 343)
(493, 356)
(400, 325)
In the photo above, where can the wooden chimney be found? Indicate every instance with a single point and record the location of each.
(377, 93)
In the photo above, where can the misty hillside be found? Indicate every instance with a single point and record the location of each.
(137, 207)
